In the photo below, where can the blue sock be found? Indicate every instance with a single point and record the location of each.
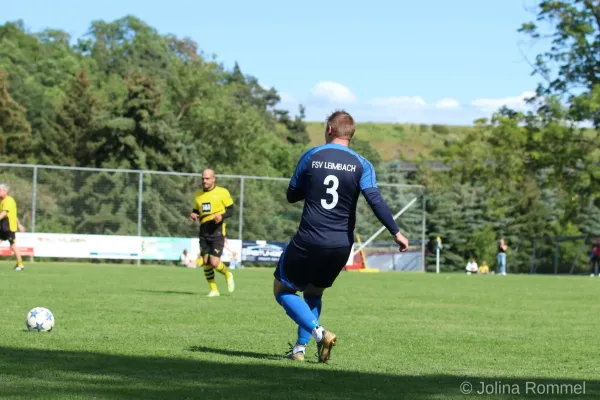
(315, 303)
(297, 309)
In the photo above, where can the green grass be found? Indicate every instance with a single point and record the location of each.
(392, 141)
(128, 332)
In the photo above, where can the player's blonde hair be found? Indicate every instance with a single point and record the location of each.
(341, 124)
(4, 186)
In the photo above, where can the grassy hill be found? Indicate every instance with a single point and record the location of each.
(393, 140)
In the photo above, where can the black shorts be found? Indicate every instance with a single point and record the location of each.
(301, 265)
(213, 246)
(8, 235)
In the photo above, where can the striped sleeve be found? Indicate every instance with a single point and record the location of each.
(368, 179)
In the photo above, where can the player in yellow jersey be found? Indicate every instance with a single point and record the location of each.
(9, 223)
(212, 205)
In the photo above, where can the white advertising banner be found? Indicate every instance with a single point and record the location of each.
(66, 245)
(165, 248)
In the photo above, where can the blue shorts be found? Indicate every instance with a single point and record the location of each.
(301, 265)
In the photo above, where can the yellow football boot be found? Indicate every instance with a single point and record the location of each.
(325, 345)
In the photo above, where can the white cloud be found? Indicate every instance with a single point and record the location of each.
(397, 101)
(447, 103)
(333, 92)
(493, 104)
(326, 96)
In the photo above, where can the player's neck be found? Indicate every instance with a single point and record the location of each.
(343, 142)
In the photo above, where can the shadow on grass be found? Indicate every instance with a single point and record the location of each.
(166, 292)
(30, 373)
(235, 353)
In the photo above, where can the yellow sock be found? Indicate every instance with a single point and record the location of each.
(213, 285)
(19, 262)
(223, 270)
(199, 261)
(209, 274)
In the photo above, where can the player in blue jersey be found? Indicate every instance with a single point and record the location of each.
(329, 178)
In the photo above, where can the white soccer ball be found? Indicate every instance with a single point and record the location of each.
(40, 319)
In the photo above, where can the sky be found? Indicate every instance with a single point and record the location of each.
(433, 62)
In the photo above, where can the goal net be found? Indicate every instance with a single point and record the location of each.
(375, 249)
(384, 257)
(562, 255)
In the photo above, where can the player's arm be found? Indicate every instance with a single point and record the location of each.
(294, 194)
(295, 191)
(228, 212)
(368, 187)
(228, 204)
(4, 210)
(195, 210)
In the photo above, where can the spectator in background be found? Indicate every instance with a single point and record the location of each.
(595, 257)
(234, 263)
(187, 260)
(472, 266)
(501, 256)
(483, 268)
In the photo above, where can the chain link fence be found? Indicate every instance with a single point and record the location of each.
(54, 199)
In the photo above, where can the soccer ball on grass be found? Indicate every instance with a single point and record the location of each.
(40, 319)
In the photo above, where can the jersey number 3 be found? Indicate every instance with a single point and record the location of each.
(332, 191)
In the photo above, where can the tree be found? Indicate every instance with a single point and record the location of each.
(525, 176)
(125, 96)
(297, 132)
(15, 131)
(73, 126)
(128, 42)
(571, 67)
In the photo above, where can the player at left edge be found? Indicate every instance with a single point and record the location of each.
(9, 223)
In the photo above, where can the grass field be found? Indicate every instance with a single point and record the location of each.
(128, 332)
(394, 140)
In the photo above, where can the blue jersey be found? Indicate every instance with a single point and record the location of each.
(330, 179)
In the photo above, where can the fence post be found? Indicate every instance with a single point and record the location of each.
(33, 201)
(424, 263)
(556, 256)
(34, 198)
(140, 201)
(241, 224)
(533, 254)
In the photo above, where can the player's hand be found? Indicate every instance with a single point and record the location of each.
(21, 228)
(218, 218)
(401, 241)
(193, 217)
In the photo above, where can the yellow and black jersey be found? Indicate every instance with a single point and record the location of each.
(210, 203)
(9, 223)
